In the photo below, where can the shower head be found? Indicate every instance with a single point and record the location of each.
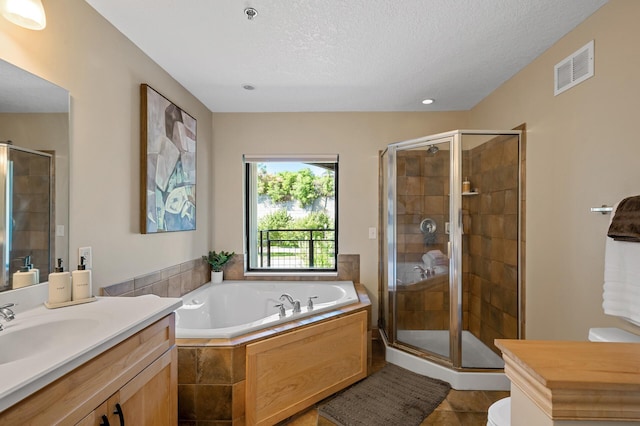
(433, 149)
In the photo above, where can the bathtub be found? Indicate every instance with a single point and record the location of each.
(408, 274)
(233, 308)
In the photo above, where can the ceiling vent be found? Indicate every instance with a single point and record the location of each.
(574, 69)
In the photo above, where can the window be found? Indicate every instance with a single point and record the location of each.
(291, 205)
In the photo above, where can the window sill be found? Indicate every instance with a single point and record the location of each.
(290, 274)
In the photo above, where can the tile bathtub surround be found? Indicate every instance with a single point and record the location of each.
(210, 380)
(174, 281)
(178, 280)
(348, 270)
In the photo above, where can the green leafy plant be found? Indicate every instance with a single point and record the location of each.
(217, 260)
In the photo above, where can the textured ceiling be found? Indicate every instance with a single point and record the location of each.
(338, 55)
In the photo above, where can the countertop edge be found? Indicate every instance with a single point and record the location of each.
(30, 387)
(560, 379)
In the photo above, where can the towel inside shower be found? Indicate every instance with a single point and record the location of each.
(434, 258)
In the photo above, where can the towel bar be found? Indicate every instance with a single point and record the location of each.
(604, 209)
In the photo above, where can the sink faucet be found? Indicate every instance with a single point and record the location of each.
(6, 313)
(294, 303)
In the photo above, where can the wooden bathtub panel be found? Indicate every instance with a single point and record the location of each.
(289, 373)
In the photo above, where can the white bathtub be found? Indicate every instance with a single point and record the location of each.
(408, 273)
(233, 308)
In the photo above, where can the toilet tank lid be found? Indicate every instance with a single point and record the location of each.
(612, 335)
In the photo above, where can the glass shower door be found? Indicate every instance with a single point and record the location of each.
(29, 215)
(420, 246)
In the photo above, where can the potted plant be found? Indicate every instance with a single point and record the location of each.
(216, 262)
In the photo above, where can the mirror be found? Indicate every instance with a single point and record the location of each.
(34, 177)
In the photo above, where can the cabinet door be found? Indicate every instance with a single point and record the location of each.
(101, 416)
(150, 398)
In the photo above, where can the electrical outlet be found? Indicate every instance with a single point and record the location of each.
(373, 233)
(88, 258)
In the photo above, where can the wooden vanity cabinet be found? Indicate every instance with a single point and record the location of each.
(139, 375)
(145, 400)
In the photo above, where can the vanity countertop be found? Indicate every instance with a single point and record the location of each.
(41, 345)
(570, 379)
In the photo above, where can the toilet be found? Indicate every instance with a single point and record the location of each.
(500, 411)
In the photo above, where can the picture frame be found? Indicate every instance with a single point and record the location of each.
(168, 138)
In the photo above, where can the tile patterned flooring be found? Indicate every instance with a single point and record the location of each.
(460, 408)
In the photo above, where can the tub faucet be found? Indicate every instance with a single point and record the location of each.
(294, 303)
(310, 302)
(424, 273)
(6, 313)
(281, 310)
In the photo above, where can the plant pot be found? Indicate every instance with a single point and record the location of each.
(216, 277)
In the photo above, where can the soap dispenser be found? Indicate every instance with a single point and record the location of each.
(25, 276)
(81, 281)
(59, 285)
(32, 268)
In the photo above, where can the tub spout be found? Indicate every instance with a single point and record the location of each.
(294, 303)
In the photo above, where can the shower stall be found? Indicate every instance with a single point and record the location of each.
(451, 254)
(26, 211)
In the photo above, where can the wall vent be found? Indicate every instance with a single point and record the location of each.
(574, 69)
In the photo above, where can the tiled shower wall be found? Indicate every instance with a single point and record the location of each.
(490, 240)
(422, 192)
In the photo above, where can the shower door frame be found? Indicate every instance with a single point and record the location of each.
(455, 235)
(6, 206)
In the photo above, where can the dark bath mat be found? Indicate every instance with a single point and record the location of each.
(391, 396)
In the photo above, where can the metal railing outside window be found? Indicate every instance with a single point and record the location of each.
(297, 248)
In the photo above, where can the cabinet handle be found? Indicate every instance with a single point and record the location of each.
(120, 414)
(105, 421)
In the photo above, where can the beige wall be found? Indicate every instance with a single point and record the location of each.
(102, 69)
(582, 151)
(356, 137)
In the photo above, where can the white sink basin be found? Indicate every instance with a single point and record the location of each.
(20, 343)
(41, 345)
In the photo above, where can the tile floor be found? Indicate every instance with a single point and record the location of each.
(464, 408)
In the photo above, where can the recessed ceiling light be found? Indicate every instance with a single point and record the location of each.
(250, 13)
(428, 101)
(248, 87)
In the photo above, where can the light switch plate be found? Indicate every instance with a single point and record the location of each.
(373, 233)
